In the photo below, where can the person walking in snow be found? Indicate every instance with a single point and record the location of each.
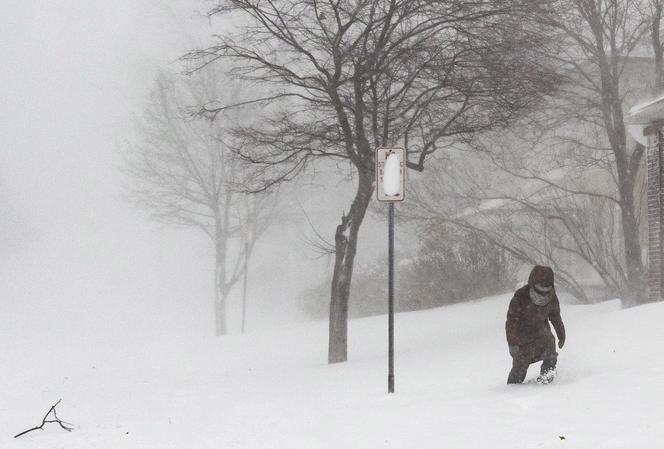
(527, 327)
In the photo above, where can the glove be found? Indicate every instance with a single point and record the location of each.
(561, 343)
(514, 350)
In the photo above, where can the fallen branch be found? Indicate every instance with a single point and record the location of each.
(65, 425)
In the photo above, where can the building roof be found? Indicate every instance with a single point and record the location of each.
(647, 112)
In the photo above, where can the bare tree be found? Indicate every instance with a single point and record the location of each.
(537, 204)
(654, 11)
(256, 215)
(582, 171)
(600, 37)
(348, 76)
(183, 173)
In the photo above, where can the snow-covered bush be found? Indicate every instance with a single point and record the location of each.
(451, 266)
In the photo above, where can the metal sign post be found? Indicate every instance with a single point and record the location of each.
(390, 181)
(390, 300)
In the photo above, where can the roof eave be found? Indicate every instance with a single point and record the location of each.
(647, 112)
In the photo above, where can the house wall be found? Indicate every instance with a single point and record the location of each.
(655, 209)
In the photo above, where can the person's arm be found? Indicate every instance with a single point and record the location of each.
(557, 321)
(511, 325)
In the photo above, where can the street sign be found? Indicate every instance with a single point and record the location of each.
(390, 174)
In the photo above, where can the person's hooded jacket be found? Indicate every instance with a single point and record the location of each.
(531, 309)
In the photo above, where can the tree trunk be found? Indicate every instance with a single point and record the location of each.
(658, 50)
(634, 291)
(221, 289)
(245, 275)
(345, 249)
(626, 168)
(220, 317)
(220, 296)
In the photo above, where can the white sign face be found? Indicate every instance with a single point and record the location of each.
(390, 174)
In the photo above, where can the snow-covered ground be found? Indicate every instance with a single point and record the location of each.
(274, 390)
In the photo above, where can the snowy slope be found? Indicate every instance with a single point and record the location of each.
(274, 390)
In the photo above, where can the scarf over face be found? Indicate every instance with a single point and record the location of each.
(541, 295)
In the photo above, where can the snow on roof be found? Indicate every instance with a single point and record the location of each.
(538, 190)
(490, 205)
(647, 111)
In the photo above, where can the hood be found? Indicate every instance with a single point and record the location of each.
(540, 275)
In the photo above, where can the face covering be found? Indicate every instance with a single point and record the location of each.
(540, 294)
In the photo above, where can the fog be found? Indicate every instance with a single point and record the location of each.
(76, 259)
(526, 207)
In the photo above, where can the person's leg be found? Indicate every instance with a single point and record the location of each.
(520, 363)
(549, 354)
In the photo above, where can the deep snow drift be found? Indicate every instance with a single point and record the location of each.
(274, 390)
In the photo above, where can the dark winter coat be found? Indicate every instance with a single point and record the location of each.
(527, 323)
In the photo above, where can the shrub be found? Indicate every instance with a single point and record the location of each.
(452, 265)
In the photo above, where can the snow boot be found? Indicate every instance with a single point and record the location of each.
(546, 377)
